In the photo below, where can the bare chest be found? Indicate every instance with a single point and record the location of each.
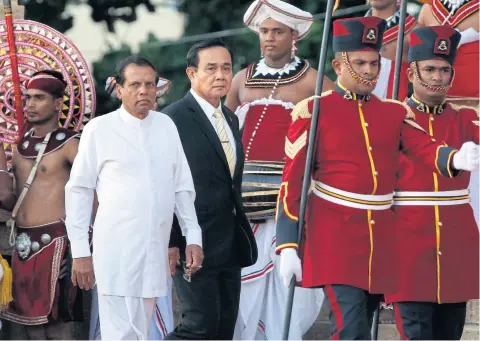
(53, 168)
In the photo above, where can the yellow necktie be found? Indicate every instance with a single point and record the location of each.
(227, 146)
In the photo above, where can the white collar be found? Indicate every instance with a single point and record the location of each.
(207, 108)
(263, 69)
(134, 121)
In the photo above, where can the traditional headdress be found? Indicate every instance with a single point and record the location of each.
(40, 47)
(358, 34)
(48, 83)
(280, 11)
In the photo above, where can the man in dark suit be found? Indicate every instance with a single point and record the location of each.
(212, 143)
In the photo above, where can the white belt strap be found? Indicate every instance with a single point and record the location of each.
(355, 200)
(443, 198)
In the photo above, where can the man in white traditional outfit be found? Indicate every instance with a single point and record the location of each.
(134, 160)
(162, 320)
(263, 96)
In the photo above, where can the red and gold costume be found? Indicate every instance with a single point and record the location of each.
(348, 220)
(264, 121)
(437, 237)
(467, 61)
(264, 133)
(434, 217)
(435, 221)
(38, 295)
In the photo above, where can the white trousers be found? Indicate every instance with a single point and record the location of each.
(160, 325)
(125, 318)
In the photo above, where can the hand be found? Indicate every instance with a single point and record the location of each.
(63, 269)
(467, 158)
(193, 257)
(173, 258)
(290, 265)
(82, 273)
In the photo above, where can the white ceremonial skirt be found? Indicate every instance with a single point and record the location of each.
(263, 296)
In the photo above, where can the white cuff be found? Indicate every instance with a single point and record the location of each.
(80, 248)
(194, 237)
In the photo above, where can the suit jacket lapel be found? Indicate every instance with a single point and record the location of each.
(204, 123)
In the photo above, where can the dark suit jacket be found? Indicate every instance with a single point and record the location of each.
(227, 236)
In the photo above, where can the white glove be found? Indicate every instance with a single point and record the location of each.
(290, 265)
(1, 273)
(467, 158)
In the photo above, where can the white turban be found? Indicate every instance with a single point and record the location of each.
(280, 11)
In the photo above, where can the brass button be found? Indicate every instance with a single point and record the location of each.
(376, 173)
(440, 223)
(372, 222)
(439, 253)
(370, 148)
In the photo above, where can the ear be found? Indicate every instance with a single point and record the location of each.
(58, 104)
(118, 91)
(410, 75)
(295, 35)
(337, 66)
(190, 71)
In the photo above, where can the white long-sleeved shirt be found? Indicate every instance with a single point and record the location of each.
(141, 175)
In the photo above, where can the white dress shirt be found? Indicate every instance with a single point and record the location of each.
(209, 110)
(141, 175)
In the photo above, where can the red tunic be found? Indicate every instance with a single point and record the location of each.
(265, 129)
(466, 66)
(356, 151)
(437, 246)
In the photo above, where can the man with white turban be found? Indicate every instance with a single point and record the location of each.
(263, 96)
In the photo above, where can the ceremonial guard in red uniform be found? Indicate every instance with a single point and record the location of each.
(464, 17)
(349, 234)
(437, 236)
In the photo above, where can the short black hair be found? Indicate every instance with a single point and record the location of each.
(133, 59)
(192, 55)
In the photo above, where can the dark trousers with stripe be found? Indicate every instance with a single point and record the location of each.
(351, 314)
(430, 321)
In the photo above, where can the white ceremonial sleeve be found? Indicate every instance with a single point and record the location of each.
(79, 193)
(185, 196)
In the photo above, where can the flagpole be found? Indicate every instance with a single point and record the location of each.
(399, 54)
(7, 7)
(310, 150)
